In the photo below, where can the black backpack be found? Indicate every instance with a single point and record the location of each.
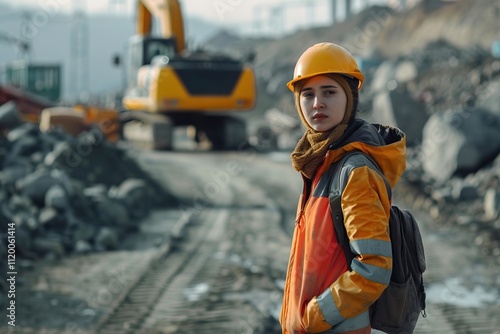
(398, 308)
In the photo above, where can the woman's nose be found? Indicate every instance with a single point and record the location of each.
(318, 103)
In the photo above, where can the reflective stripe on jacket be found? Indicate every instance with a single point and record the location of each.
(320, 292)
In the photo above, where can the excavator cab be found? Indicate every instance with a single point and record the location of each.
(141, 52)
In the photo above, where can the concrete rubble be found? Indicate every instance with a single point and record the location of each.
(69, 194)
(453, 157)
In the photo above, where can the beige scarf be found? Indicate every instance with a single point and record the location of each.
(311, 148)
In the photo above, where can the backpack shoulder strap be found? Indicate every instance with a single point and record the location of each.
(340, 175)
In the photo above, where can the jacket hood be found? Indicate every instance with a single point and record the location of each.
(385, 144)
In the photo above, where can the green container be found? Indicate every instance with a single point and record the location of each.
(40, 79)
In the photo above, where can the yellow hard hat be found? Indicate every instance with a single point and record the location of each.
(325, 58)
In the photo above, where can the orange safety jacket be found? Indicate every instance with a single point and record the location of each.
(320, 293)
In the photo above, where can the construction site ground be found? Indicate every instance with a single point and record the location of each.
(216, 262)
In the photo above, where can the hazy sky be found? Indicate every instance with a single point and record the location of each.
(246, 15)
(212, 10)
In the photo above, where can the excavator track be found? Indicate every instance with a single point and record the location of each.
(147, 130)
(157, 131)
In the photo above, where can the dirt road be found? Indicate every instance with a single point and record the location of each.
(216, 262)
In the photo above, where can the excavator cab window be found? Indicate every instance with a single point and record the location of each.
(158, 47)
(142, 50)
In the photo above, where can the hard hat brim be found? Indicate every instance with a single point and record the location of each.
(359, 76)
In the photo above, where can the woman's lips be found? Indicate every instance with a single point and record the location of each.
(319, 117)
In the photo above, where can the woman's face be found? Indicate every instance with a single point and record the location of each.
(323, 102)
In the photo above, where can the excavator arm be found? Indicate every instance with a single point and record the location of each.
(168, 14)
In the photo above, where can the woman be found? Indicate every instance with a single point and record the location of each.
(321, 294)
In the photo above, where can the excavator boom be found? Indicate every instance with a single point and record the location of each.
(168, 14)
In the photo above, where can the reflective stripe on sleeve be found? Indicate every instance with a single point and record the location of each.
(328, 308)
(370, 272)
(352, 324)
(371, 246)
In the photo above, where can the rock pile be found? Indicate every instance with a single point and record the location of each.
(69, 194)
(446, 100)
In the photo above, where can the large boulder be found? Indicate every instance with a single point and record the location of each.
(385, 73)
(9, 116)
(391, 101)
(397, 108)
(490, 97)
(459, 141)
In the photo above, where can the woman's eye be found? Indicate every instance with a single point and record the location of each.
(329, 92)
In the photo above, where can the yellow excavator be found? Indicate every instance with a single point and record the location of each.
(169, 86)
